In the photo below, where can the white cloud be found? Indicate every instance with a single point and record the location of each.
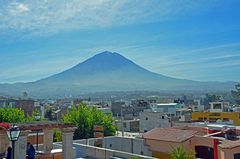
(22, 7)
(50, 16)
(15, 8)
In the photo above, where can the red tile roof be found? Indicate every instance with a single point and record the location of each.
(169, 134)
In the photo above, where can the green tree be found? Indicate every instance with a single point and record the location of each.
(11, 115)
(34, 116)
(181, 153)
(57, 136)
(85, 118)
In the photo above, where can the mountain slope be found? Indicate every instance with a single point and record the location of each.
(109, 72)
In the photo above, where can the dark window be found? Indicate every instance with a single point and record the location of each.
(141, 153)
(146, 118)
(204, 152)
(217, 106)
(162, 117)
(213, 119)
(225, 119)
(145, 130)
(237, 156)
(110, 145)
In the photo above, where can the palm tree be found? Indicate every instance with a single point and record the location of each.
(181, 153)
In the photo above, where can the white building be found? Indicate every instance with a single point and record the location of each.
(106, 110)
(150, 120)
(218, 106)
(197, 107)
(169, 108)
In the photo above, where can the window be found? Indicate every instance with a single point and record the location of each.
(217, 106)
(213, 119)
(225, 119)
(110, 145)
(146, 118)
(236, 155)
(162, 117)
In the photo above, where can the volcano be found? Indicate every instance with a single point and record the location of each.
(109, 71)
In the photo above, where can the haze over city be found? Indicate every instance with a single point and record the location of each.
(196, 40)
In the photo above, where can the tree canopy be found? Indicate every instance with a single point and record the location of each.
(85, 118)
(16, 115)
(11, 115)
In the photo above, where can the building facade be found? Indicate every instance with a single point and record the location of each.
(233, 117)
(150, 120)
(163, 141)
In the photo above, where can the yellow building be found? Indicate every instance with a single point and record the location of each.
(213, 116)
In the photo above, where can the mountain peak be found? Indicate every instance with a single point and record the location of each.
(107, 54)
(108, 58)
(100, 63)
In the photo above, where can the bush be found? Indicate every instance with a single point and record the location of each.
(181, 153)
(57, 136)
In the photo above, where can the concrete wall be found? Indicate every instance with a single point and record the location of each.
(130, 145)
(4, 142)
(203, 141)
(167, 147)
(102, 153)
(134, 126)
(151, 120)
(129, 125)
(116, 107)
(228, 153)
(32, 138)
(169, 109)
(161, 149)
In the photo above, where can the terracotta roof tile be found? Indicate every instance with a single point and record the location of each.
(169, 134)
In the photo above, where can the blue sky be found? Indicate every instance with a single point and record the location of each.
(198, 40)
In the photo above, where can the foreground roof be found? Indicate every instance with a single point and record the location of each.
(169, 134)
(230, 144)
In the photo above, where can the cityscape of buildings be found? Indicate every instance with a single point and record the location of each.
(149, 127)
